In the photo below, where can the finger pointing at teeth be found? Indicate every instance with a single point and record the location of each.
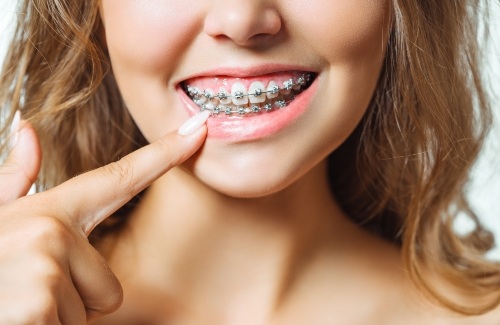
(49, 273)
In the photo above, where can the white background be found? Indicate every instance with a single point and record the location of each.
(485, 188)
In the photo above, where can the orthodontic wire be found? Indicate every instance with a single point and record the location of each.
(197, 93)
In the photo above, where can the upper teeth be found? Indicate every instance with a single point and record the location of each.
(272, 90)
(256, 92)
(223, 96)
(238, 92)
(209, 94)
(288, 84)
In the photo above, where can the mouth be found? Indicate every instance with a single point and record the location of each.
(250, 108)
(245, 97)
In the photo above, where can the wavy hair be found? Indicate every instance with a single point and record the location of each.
(413, 150)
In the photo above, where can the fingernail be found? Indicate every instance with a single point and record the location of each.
(194, 123)
(14, 129)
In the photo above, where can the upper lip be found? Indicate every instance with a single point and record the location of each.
(247, 72)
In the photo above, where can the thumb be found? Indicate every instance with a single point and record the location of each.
(21, 168)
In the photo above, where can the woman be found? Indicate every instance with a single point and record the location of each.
(315, 182)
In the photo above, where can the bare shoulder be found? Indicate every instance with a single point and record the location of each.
(413, 306)
(410, 307)
(490, 318)
(365, 284)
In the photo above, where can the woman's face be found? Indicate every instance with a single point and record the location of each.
(172, 58)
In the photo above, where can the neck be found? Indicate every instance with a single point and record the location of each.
(209, 248)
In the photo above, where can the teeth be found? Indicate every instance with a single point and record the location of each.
(194, 92)
(210, 106)
(272, 90)
(298, 83)
(288, 84)
(209, 95)
(200, 101)
(287, 87)
(280, 103)
(257, 99)
(223, 95)
(238, 94)
(256, 93)
(197, 95)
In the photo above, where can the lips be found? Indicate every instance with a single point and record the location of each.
(249, 108)
(244, 96)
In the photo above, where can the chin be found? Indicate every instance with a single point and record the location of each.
(238, 181)
(252, 173)
(244, 188)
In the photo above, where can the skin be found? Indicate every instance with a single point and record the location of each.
(149, 60)
(238, 245)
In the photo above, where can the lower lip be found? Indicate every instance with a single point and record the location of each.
(236, 128)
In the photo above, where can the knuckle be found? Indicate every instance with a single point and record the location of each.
(122, 174)
(49, 272)
(50, 230)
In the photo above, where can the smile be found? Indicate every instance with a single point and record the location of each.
(249, 108)
(244, 96)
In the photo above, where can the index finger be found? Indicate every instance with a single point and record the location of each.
(88, 199)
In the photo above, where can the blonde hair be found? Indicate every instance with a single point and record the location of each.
(413, 150)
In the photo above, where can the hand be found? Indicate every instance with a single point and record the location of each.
(49, 273)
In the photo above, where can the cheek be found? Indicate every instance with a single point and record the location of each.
(144, 40)
(351, 36)
(345, 30)
(147, 35)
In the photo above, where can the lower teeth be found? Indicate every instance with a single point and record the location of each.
(243, 110)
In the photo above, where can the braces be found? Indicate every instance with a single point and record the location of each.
(228, 109)
(289, 84)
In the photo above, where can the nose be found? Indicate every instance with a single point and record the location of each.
(245, 22)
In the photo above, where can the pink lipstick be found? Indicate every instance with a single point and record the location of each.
(249, 108)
